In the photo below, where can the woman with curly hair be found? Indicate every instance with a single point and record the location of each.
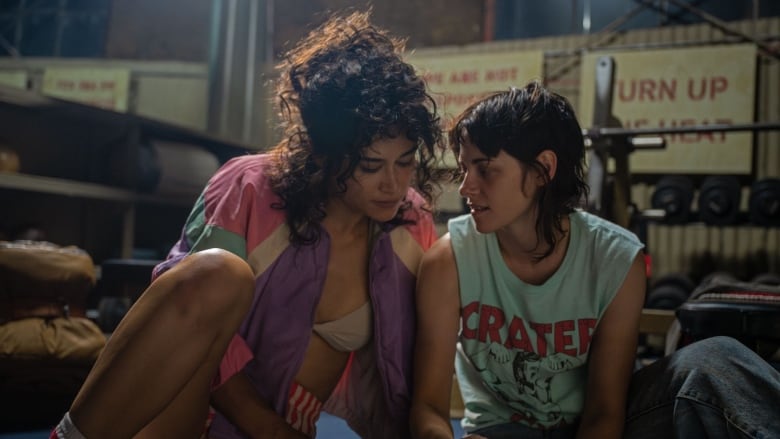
(291, 290)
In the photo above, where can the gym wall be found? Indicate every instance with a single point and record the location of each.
(679, 248)
(743, 248)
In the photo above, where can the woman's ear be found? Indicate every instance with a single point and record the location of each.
(549, 161)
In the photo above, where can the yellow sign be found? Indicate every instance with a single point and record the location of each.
(14, 78)
(457, 80)
(679, 88)
(105, 88)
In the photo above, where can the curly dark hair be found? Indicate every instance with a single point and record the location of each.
(524, 122)
(341, 88)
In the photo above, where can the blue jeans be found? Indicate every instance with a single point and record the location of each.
(715, 388)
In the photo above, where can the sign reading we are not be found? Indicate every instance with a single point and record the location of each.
(457, 80)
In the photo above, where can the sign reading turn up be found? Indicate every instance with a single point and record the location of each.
(679, 88)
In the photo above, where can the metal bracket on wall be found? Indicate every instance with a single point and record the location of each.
(610, 195)
(716, 23)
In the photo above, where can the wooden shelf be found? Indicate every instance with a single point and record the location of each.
(62, 145)
(71, 188)
(77, 189)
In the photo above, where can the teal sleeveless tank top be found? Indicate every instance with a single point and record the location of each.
(522, 350)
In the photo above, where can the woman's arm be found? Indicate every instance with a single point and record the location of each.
(238, 400)
(438, 311)
(612, 355)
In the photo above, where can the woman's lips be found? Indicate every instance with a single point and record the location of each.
(386, 204)
(476, 209)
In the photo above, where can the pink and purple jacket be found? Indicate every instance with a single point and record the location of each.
(234, 213)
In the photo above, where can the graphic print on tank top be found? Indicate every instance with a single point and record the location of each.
(523, 363)
(524, 380)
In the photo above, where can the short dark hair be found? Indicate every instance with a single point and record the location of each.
(524, 122)
(341, 88)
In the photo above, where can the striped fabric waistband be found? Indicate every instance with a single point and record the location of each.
(303, 410)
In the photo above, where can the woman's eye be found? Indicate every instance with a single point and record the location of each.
(406, 163)
(370, 169)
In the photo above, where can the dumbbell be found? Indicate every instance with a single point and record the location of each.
(673, 194)
(719, 199)
(669, 291)
(764, 204)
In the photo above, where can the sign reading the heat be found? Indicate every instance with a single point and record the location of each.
(679, 88)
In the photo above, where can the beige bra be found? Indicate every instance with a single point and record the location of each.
(348, 333)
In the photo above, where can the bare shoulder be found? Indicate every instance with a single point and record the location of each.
(622, 314)
(438, 273)
(438, 295)
(439, 256)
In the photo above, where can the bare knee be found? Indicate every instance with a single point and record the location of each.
(719, 346)
(718, 353)
(212, 283)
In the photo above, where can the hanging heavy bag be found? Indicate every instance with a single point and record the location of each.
(43, 290)
(41, 279)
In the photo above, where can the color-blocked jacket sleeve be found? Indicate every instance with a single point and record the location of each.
(423, 229)
(220, 216)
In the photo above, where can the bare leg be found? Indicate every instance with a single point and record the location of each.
(159, 363)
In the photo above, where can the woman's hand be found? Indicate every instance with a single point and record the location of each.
(282, 430)
(238, 401)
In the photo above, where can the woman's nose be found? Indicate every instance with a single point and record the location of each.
(390, 181)
(466, 187)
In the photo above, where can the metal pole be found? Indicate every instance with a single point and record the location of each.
(269, 31)
(586, 17)
(574, 23)
(605, 31)
(213, 65)
(755, 19)
(5, 44)
(20, 13)
(488, 30)
(602, 116)
(61, 17)
(227, 71)
(249, 81)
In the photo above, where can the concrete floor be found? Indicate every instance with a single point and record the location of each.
(328, 427)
